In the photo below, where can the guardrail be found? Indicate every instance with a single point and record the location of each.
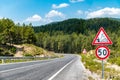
(6, 59)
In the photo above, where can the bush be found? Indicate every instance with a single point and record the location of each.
(13, 49)
(28, 55)
(7, 53)
(112, 60)
(118, 61)
(90, 63)
(1, 50)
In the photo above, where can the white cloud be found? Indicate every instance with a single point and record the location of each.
(86, 12)
(51, 16)
(80, 12)
(105, 12)
(47, 20)
(34, 18)
(54, 13)
(54, 6)
(74, 1)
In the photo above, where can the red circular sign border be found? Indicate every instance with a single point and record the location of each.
(104, 57)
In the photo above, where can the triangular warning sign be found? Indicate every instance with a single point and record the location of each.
(101, 38)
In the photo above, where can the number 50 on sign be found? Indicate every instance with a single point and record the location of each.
(102, 52)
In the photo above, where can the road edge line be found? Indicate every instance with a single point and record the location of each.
(53, 76)
(81, 62)
(18, 68)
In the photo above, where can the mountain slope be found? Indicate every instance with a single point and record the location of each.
(79, 25)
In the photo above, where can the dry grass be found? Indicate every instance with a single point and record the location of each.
(32, 50)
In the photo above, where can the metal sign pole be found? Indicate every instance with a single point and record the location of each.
(102, 69)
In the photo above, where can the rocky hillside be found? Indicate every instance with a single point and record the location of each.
(31, 50)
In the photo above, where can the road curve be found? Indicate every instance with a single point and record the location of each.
(67, 68)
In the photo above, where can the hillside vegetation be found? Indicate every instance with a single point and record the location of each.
(13, 35)
(73, 35)
(32, 50)
(68, 36)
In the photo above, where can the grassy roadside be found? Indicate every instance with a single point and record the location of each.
(94, 65)
(114, 57)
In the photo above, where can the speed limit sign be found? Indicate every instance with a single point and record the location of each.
(102, 52)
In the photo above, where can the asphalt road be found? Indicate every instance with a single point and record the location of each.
(67, 68)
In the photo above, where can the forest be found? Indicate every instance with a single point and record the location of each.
(14, 34)
(73, 35)
(68, 36)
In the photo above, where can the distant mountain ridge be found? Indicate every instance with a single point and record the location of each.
(80, 25)
(118, 19)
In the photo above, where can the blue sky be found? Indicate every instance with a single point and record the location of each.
(40, 12)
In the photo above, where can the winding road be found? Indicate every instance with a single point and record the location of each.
(69, 67)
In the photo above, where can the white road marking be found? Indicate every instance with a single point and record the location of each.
(19, 62)
(52, 77)
(81, 62)
(18, 68)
